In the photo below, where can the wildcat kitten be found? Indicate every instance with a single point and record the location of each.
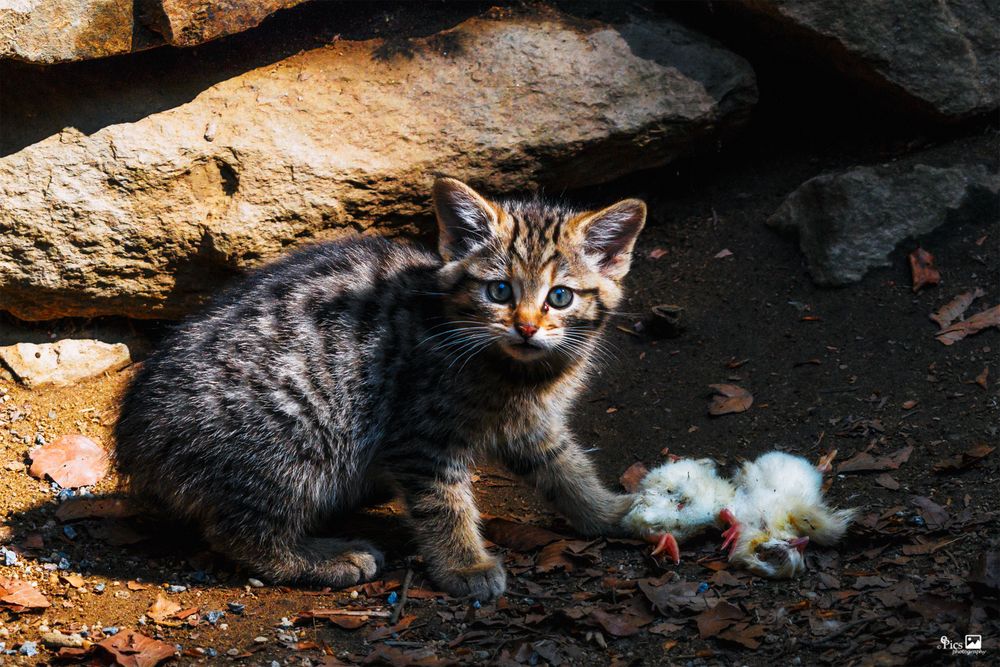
(358, 366)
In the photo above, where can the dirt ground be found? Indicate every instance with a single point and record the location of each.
(855, 369)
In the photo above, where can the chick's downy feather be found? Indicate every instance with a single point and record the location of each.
(779, 501)
(681, 497)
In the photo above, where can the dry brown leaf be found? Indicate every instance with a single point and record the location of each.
(666, 628)
(967, 458)
(518, 536)
(74, 580)
(70, 461)
(162, 609)
(131, 649)
(384, 632)
(982, 378)
(935, 517)
(744, 634)
(632, 476)
(959, 330)
(910, 404)
(674, 596)
(713, 621)
(955, 308)
(731, 399)
(75, 509)
(18, 595)
(863, 461)
(346, 619)
(657, 253)
(388, 655)
(923, 270)
(136, 586)
(185, 613)
(615, 625)
(887, 481)
(553, 557)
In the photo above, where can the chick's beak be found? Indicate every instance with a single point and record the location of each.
(799, 544)
(666, 543)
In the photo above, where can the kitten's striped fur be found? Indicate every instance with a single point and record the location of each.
(350, 368)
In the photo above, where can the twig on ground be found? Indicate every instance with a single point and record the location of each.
(403, 594)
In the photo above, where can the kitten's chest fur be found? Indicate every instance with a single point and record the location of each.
(484, 407)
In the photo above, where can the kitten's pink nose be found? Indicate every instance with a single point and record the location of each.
(526, 330)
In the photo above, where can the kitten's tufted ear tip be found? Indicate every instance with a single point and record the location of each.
(465, 218)
(610, 234)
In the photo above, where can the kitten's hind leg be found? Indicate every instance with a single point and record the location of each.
(332, 562)
(338, 563)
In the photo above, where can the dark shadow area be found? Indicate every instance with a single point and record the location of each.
(807, 115)
(135, 543)
(38, 101)
(133, 333)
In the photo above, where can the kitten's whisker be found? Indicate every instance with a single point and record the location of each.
(458, 346)
(456, 330)
(473, 352)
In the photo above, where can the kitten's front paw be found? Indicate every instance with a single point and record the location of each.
(484, 582)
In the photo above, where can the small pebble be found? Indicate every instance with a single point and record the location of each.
(69, 532)
(63, 564)
(9, 557)
(99, 588)
(702, 587)
(176, 588)
(28, 648)
(236, 607)
(256, 583)
(211, 652)
(214, 616)
(110, 631)
(354, 595)
(260, 639)
(233, 651)
(476, 604)
(393, 597)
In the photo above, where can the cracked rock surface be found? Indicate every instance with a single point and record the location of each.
(147, 218)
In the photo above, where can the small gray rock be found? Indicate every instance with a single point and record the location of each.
(849, 222)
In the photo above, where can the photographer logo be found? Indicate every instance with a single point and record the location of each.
(973, 645)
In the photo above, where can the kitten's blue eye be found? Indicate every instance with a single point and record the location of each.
(499, 291)
(560, 297)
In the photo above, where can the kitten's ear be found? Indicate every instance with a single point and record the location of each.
(465, 219)
(609, 235)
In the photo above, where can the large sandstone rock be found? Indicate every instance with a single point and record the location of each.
(941, 56)
(54, 31)
(192, 22)
(147, 219)
(849, 222)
